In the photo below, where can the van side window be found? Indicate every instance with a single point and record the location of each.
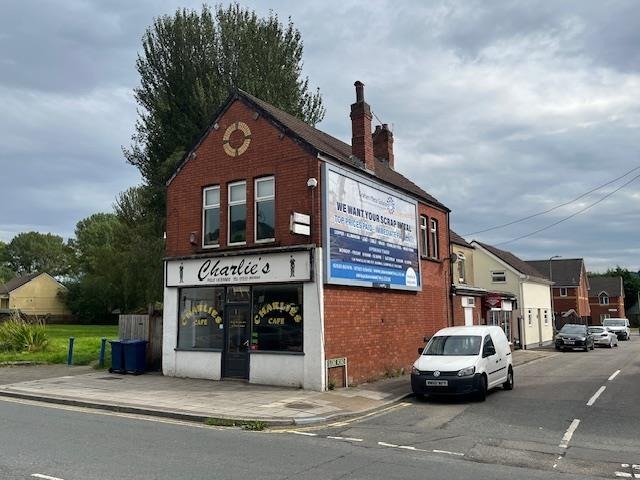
(487, 343)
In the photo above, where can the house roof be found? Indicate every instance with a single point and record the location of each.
(320, 142)
(458, 240)
(513, 261)
(612, 286)
(565, 271)
(17, 282)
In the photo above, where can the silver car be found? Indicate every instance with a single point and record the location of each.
(602, 336)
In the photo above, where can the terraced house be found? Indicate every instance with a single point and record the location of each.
(293, 258)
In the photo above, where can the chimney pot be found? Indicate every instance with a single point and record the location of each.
(359, 91)
(361, 141)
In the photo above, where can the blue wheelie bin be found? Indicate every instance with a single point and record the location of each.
(117, 357)
(135, 353)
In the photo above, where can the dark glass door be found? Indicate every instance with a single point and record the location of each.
(236, 352)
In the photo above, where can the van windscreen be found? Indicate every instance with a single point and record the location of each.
(454, 345)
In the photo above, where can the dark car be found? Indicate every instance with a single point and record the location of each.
(574, 336)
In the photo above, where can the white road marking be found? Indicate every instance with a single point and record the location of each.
(345, 439)
(384, 444)
(569, 433)
(636, 475)
(624, 465)
(623, 474)
(614, 375)
(457, 454)
(46, 477)
(637, 467)
(308, 434)
(407, 447)
(593, 399)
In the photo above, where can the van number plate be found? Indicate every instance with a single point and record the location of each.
(437, 383)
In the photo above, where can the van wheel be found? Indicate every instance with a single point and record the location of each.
(508, 385)
(481, 394)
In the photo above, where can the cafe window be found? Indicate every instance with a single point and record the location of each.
(211, 216)
(277, 318)
(200, 324)
(433, 238)
(265, 211)
(237, 213)
(423, 236)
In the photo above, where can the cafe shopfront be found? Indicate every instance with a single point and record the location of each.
(249, 316)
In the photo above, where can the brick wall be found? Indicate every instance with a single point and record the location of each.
(597, 309)
(380, 331)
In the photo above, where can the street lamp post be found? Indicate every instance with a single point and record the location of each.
(553, 313)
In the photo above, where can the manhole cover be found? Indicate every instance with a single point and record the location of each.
(300, 406)
(109, 378)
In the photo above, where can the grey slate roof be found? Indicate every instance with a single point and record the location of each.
(612, 286)
(321, 142)
(513, 261)
(17, 282)
(565, 271)
(458, 240)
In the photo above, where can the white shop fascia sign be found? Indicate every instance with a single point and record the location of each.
(278, 267)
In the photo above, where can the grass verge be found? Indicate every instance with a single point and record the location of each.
(85, 350)
(255, 425)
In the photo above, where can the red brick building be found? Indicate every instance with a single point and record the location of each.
(570, 287)
(606, 298)
(293, 258)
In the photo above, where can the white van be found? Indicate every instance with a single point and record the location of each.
(462, 360)
(619, 326)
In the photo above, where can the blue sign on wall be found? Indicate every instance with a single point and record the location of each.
(370, 233)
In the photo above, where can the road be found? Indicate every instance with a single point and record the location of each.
(542, 429)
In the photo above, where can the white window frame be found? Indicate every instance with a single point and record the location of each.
(601, 297)
(546, 317)
(503, 274)
(206, 207)
(256, 200)
(566, 291)
(461, 259)
(424, 236)
(232, 204)
(530, 318)
(433, 237)
(604, 316)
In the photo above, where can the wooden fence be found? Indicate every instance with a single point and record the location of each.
(144, 327)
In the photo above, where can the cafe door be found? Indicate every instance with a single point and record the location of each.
(238, 336)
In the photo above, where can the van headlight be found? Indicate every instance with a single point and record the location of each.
(465, 372)
(415, 371)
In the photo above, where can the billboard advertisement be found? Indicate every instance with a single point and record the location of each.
(370, 233)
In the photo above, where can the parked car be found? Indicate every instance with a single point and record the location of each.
(463, 360)
(603, 336)
(619, 326)
(572, 336)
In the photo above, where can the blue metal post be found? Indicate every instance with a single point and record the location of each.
(70, 354)
(102, 348)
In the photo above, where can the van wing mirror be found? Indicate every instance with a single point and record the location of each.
(420, 350)
(426, 339)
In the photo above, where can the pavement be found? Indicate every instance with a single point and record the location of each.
(199, 400)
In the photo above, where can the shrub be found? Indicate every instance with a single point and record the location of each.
(18, 335)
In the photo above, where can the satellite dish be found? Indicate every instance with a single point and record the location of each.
(453, 258)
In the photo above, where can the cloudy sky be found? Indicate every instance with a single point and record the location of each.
(500, 109)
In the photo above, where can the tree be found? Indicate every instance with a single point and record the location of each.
(190, 62)
(6, 273)
(31, 252)
(631, 282)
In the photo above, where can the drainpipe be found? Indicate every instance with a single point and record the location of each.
(450, 279)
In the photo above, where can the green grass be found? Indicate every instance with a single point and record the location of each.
(85, 350)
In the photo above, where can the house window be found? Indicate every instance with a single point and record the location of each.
(423, 236)
(211, 216)
(530, 318)
(604, 316)
(546, 317)
(265, 211)
(433, 238)
(201, 324)
(498, 276)
(277, 318)
(461, 271)
(563, 292)
(604, 299)
(237, 213)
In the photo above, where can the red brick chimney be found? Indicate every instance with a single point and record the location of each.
(383, 143)
(361, 140)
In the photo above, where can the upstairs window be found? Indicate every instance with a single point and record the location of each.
(433, 238)
(563, 292)
(461, 269)
(265, 211)
(237, 213)
(604, 299)
(498, 276)
(423, 236)
(211, 216)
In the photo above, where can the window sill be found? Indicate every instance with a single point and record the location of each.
(432, 259)
(275, 352)
(197, 350)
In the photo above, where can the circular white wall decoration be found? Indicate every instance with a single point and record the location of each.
(246, 140)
